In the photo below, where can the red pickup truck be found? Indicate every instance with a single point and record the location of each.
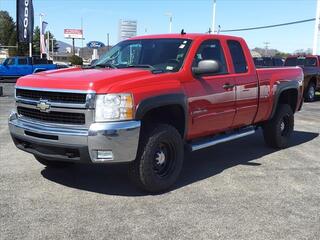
(149, 100)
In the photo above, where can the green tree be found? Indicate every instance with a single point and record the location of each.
(7, 29)
(76, 60)
(8, 35)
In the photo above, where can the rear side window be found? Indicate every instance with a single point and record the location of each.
(22, 61)
(278, 62)
(238, 58)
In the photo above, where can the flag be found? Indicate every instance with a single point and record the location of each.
(43, 47)
(44, 26)
(25, 20)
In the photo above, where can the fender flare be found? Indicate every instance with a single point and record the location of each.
(161, 101)
(36, 70)
(281, 87)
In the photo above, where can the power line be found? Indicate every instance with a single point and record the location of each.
(269, 26)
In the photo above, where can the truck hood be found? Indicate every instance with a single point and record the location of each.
(98, 80)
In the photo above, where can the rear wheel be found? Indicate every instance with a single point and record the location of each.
(52, 163)
(310, 93)
(278, 130)
(159, 160)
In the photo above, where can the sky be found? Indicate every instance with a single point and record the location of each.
(101, 17)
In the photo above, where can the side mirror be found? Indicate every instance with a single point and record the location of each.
(206, 67)
(4, 63)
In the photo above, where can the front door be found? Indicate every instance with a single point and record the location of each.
(211, 97)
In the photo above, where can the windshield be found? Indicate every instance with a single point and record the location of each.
(157, 54)
(301, 61)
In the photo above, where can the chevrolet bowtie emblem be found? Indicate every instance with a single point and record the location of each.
(43, 106)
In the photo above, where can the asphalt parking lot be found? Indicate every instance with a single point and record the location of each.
(237, 190)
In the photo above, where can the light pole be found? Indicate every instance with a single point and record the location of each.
(52, 39)
(169, 14)
(316, 29)
(214, 16)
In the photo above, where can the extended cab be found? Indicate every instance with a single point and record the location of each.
(149, 100)
(311, 69)
(14, 67)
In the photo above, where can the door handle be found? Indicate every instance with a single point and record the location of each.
(228, 86)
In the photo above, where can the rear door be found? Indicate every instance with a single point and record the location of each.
(245, 77)
(212, 96)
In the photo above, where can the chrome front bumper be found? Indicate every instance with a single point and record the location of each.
(78, 145)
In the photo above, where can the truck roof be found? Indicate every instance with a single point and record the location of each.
(303, 56)
(191, 36)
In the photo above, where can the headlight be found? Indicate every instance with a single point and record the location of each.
(114, 107)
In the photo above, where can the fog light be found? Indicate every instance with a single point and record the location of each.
(105, 155)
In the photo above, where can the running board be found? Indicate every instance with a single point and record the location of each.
(204, 143)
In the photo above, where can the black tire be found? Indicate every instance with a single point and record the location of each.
(310, 92)
(278, 130)
(52, 163)
(159, 160)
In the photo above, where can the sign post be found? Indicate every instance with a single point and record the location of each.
(316, 30)
(95, 45)
(73, 34)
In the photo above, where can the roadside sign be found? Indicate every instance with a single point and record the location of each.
(73, 33)
(95, 44)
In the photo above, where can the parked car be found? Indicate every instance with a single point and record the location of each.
(262, 62)
(311, 70)
(14, 67)
(151, 98)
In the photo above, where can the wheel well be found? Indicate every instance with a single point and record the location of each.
(171, 114)
(290, 97)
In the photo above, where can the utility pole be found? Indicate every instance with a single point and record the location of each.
(316, 29)
(108, 41)
(52, 47)
(169, 14)
(48, 45)
(82, 33)
(266, 48)
(214, 16)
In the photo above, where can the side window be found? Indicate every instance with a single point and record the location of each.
(22, 61)
(11, 61)
(278, 62)
(211, 50)
(238, 58)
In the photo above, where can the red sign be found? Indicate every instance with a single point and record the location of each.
(73, 33)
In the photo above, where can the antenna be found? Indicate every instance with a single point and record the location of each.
(183, 32)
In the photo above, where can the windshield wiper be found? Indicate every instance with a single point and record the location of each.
(139, 66)
(105, 65)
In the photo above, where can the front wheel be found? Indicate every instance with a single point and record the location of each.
(278, 130)
(159, 160)
(52, 163)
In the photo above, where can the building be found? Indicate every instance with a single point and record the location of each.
(127, 29)
(4, 53)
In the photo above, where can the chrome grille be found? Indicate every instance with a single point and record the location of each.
(53, 116)
(72, 108)
(61, 97)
